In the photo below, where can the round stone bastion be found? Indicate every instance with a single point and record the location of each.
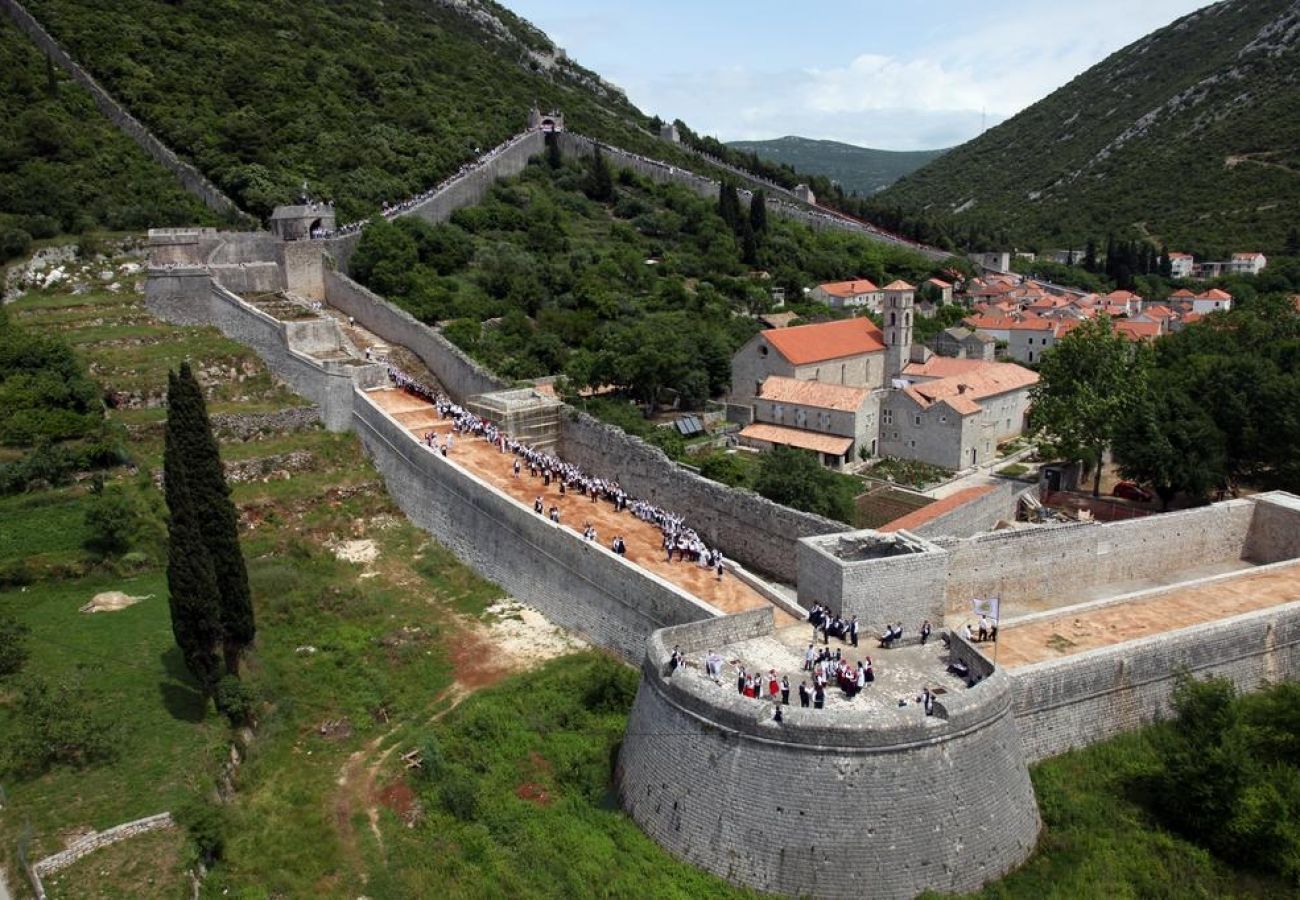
(864, 798)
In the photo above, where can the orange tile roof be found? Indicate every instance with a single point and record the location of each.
(1137, 331)
(1183, 294)
(1214, 294)
(990, 322)
(1248, 255)
(1122, 296)
(939, 282)
(1158, 311)
(930, 511)
(961, 391)
(1180, 256)
(849, 288)
(942, 367)
(1189, 318)
(900, 285)
(813, 393)
(797, 437)
(804, 344)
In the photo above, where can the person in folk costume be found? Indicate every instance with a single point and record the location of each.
(773, 686)
(804, 695)
(785, 690)
(740, 682)
(819, 698)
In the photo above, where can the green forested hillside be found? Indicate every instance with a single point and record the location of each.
(1190, 136)
(364, 100)
(636, 284)
(66, 168)
(859, 170)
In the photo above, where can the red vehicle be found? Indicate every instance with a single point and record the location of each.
(1131, 491)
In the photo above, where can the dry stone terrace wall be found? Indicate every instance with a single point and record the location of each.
(191, 179)
(1067, 559)
(578, 584)
(825, 804)
(1083, 699)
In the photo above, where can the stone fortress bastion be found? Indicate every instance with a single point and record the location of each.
(846, 801)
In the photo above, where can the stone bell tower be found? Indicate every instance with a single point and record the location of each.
(899, 308)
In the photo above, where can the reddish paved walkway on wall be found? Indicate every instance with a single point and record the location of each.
(644, 541)
(1196, 604)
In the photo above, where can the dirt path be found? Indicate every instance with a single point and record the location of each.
(1231, 162)
(513, 639)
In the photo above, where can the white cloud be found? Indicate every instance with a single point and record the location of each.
(935, 97)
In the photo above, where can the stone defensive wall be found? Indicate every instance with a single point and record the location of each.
(750, 528)
(1067, 559)
(578, 584)
(463, 190)
(459, 375)
(190, 178)
(825, 803)
(882, 577)
(757, 532)
(1079, 700)
(306, 354)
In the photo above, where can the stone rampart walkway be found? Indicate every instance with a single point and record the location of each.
(1079, 630)
(644, 541)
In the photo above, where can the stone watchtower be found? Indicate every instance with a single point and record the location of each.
(540, 121)
(900, 300)
(302, 221)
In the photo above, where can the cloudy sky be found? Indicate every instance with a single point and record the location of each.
(892, 74)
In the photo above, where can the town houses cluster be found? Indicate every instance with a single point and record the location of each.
(850, 390)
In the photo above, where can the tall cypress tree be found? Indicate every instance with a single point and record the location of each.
(729, 206)
(220, 522)
(191, 580)
(600, 180)
(758, 214)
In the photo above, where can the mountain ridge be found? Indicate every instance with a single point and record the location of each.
(861, 170)
(1187, 136)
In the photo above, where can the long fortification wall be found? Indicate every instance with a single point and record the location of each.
(1080, 700)
(458, 374)
(752, 529)
(978, 515)
(826, 804)
(190, 178)
(749, 528)
(578, 584)
(191, 297)
(1067, 559)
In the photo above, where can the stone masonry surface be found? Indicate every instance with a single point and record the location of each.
(1080, 700)
(747, 527)
(826, 804)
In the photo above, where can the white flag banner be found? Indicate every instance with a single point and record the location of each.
(992, 607)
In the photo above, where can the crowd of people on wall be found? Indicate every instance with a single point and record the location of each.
(390, 210)
(680, 542)
(824, 669)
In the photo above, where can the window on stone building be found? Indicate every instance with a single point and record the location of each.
(886, 417)
(916, 420)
